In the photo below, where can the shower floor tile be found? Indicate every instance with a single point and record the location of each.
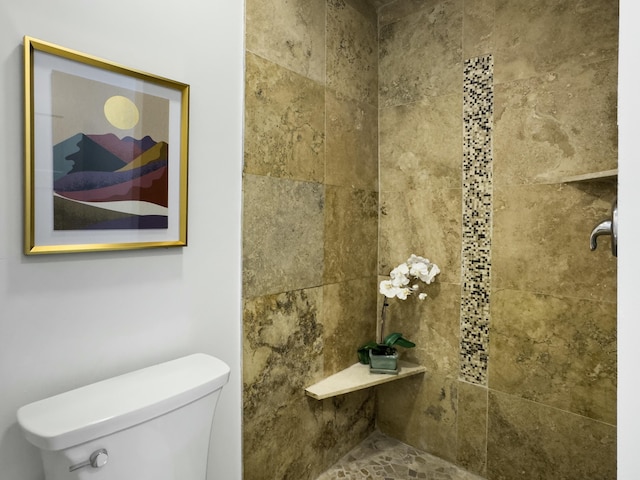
(380, 457)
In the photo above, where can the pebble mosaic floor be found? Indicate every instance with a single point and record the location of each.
(383, 458)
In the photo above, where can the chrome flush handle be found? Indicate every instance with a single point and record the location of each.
(98, 459)
(607, 227)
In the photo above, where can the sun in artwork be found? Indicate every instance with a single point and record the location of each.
(121, 112)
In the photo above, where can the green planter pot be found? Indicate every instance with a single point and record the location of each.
(383, 357)
(383, 363)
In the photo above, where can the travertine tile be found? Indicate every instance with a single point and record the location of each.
(556, 125)
(349, 321)
(352, 66)
(296, 436)
(377, 4)
(427, 223)
(394, 10)
(536, 442)
(283, 340)
(351, 144)
(284, 122)
(281, 329)
(472, 427)
(540, 241)
(348, 420)
(432, 324)
(422, 412)
(289, 33)
(553, 301)
(555, 350)
(533, 38)
(420, 144)
(283, 225)
(350, 235)
(421, 54)
(288, 435)
(366, 7)
(478, 28)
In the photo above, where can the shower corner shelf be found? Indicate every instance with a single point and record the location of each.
(357, 377)
(604, 175)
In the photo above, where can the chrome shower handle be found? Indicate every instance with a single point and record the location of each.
(603, 228)
(607, 227)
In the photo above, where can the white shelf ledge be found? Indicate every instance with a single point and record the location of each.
(604, 175)
(357, 377)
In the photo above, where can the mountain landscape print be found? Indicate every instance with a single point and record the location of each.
(110, 156)
(104, 182)
(106, 154)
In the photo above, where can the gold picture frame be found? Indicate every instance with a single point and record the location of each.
(106, 154)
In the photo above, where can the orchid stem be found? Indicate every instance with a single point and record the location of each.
(383, 316)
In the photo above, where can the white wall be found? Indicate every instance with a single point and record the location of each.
(67, 320)
(628, 248)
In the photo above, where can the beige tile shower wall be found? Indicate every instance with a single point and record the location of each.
(552, 361)
(309, 229)
(420, 182)
(549, 407)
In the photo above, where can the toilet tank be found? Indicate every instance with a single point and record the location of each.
(154, 423)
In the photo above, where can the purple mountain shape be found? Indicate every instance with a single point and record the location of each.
(126, 149)
(92, 157)
(89, 180)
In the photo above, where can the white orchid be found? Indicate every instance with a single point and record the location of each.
(418, 268)
(402, 282)
(391, 290)
(399, 275)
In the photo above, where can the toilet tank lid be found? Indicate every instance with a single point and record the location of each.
(111, 405)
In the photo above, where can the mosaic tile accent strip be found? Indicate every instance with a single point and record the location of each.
(477, 197)
(380, 457)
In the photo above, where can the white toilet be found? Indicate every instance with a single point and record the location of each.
(151, 424)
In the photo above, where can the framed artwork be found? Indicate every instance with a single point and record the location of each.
(105, 154)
